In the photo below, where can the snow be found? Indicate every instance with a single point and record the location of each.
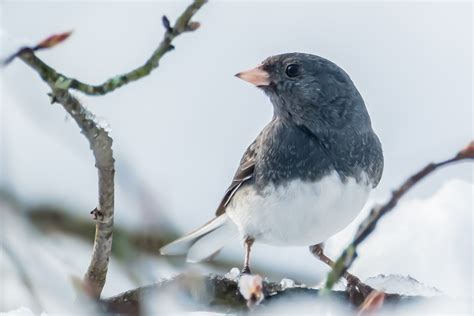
(98, 120)
(37, 263)
(429, 239)
(287, 283)
(21, 311)
(399, 284)
(233, 274)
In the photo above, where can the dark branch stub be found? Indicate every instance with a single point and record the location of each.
(167, 24)
(97, 215)
(52, 98)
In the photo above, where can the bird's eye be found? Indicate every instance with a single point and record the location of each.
(292, 70)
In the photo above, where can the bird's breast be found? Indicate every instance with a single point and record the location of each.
(298, 212)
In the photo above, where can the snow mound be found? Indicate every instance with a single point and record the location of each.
(399, 284)
(428, 238)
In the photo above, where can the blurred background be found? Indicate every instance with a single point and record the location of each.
(180, 132)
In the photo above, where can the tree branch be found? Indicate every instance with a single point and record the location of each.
(183, 24)
(367, 226)
(101, 145)
(219, 294)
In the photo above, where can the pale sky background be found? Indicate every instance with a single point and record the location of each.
(182, 130)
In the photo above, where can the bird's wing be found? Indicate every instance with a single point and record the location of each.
(243, 174)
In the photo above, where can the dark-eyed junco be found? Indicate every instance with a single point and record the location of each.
(308, 173)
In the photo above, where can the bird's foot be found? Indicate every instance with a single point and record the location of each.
(245, 270)
(358, 290)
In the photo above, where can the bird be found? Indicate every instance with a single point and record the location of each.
(307, 174)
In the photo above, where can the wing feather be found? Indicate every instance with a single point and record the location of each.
(243, 174)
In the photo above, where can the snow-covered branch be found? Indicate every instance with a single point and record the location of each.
(191, 292)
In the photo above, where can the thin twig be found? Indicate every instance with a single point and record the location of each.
(367, 226)
(183, 24)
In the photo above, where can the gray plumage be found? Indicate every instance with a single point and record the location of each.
(320, 124)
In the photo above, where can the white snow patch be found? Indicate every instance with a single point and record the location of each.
(98, 120)
(21, 311)
(399, 284)
(287, 283)
(233, 274)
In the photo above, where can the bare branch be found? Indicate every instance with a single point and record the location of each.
(183, 24)
(101, 145)
(367, 226)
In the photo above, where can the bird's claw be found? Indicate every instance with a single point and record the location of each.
(245, 270)
(358, 290)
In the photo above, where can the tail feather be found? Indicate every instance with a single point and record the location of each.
(203, 242)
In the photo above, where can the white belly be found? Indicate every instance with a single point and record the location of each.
(301, 213)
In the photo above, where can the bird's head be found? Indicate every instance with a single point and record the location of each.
(308, 89)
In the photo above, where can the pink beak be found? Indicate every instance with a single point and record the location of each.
(256, 76)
